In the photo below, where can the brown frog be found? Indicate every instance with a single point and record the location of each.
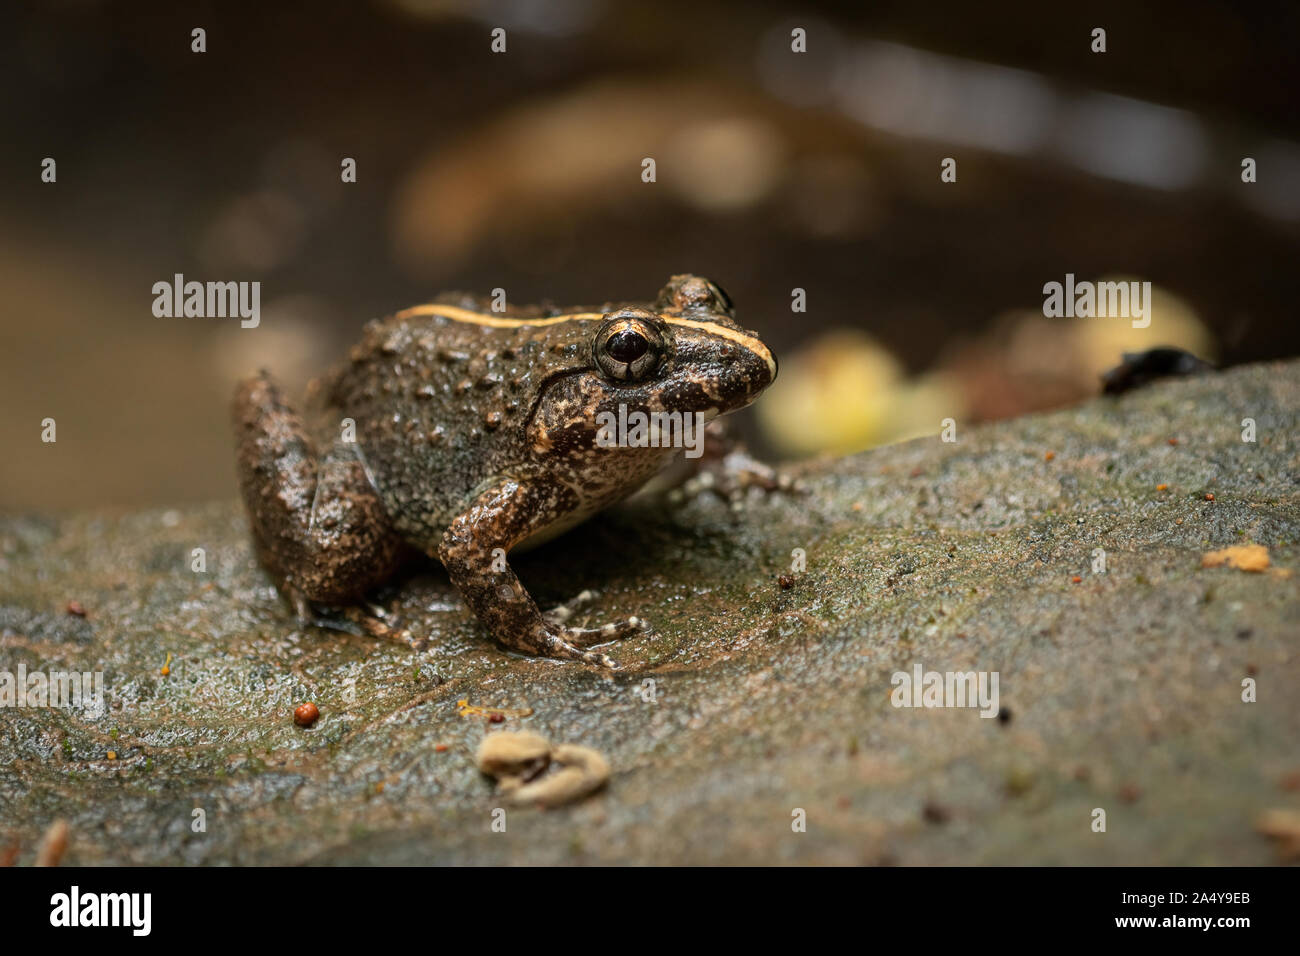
(466, 432)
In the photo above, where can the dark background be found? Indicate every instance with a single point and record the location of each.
(522, 170)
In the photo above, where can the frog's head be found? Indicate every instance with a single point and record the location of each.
(685, 354)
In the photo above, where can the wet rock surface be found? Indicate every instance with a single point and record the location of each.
(762, 690)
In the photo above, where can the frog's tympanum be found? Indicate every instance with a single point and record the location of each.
(466, 432)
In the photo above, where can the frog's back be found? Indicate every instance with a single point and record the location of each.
(441, 404)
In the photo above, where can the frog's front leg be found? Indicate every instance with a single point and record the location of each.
(473, 551)
(318, 525)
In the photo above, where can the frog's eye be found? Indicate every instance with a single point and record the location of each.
(629, 349)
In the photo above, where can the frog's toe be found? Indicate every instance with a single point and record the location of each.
(378, 623)
(600, 660)
(590, 636)
(733, 477)
(562, 612)
(559, 647)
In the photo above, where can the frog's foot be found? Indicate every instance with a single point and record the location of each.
(562, 612)
(374, 621)
(726, 469)
(732, 476)
(571, 643)
(378, 623)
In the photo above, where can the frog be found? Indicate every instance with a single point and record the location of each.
(466, 429)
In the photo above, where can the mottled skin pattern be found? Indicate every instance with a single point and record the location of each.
(476, 431)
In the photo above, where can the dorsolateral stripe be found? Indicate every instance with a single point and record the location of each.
(457, 314)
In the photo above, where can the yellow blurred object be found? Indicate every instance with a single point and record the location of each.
(844, 392)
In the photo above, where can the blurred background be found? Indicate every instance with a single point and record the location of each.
(775, 170)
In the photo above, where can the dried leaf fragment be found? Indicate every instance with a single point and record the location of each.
(1243, 557)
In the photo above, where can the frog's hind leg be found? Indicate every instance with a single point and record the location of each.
(317, 523)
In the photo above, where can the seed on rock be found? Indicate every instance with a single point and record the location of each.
(305, 715)
(520, 756)
(584, 771)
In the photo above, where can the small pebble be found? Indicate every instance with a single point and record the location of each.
(75, 607)
(786, 581)
(935, 813)
(305, 715)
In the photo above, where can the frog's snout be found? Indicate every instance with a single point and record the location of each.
(762, 362)
(750, 369)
